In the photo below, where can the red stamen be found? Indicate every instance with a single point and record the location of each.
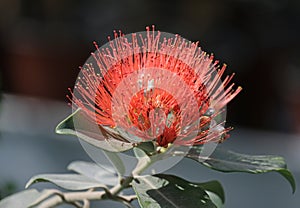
(154, 113)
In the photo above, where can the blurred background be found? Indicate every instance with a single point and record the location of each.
(42, 43)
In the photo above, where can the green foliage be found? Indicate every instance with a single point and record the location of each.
(104, 175)
(72, 182)
(77, 124)
(170, 191)
(93, 182)
(116, 161)
(21, 199)
(228, 161)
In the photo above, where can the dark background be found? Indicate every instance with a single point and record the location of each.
(42, 43)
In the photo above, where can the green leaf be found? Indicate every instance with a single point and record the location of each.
(214, 187)
(21, 199)
(215, 199)
(143, 163)
(139, 153)
(168, 191)
(228, 161)
(116, 161)
(215, 192)
(77, 124)
(147, 147)
(105, 175)
(67, 181)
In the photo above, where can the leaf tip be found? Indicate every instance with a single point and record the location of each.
(66, 125)
(28, 184)
(289, 177)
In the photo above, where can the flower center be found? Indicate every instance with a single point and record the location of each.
(155, 112)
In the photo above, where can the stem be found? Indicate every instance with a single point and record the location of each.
(85, 197)
(51, 202)
(71, 197)
(75, 197)
(119, 187)
(143, 164)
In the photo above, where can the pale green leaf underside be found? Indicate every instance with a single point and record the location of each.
(21, 199)
(67, 181)
(104, 175)
(78, 125)
(116, 161)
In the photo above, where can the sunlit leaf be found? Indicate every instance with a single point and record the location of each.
(78, 125)
(139, 153)
(215, 192)
(67, 181)
(213, 187)
(104, 175)
(168, 191)
(21, 199)
(116, 161)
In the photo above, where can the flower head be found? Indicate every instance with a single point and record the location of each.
(157, 87)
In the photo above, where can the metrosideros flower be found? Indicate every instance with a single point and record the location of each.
(153, 86)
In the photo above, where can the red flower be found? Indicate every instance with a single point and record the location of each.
(147, 86)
